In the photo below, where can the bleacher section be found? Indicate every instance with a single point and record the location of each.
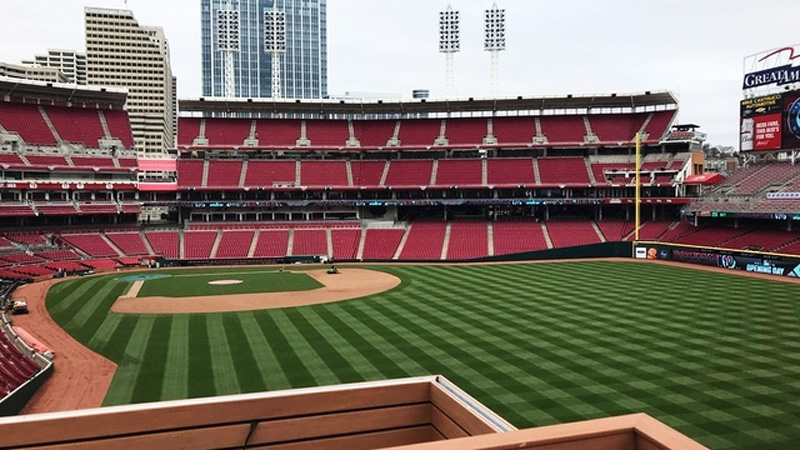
(518, 237)
(310, 242)
(374, 133)
(130, 242)
(164, 243)
(28, 121)
(323, 173)
(572, 233)
(272, 244)
(235, 244)
(224, 174)
(557, 171)
(92, 244)
(269, 173)
(77, 125)
(409, 173)
(198, 244)
(327, 133)
(465, 132)
(512, 171)
(419, 132)
(459, 172)
(227, 132)
(345, 244)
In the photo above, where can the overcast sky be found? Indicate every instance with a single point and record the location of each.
(691, 47)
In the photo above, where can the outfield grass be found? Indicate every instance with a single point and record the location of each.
(715, 356)
(190, 284)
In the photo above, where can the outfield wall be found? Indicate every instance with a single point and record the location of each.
(746, 260)
(603, 250)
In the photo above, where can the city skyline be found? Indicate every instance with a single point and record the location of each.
(574, 47)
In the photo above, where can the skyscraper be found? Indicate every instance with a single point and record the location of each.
(304, 65)
(120, 52)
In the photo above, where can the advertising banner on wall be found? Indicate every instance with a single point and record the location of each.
(791, 120)
(726, 259)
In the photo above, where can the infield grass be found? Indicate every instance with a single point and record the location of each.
(188, 284)
(714, 355)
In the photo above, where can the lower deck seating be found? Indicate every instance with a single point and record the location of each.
(468, 240)
(164, 243)
(310, 242)
(91, 244)
(572, 233)
(424, 241)
(272, 244)
(345, 243)
(198, 244)
(235, 244)
(381, 244)
(129, 242)
(518, 237)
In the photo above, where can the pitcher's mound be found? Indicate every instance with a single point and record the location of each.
(347, 284)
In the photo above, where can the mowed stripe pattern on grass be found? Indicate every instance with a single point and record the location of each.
(713, 355)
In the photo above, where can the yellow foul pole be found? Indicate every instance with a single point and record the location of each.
(638, 187)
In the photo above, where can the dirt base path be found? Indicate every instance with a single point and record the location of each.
(349, 283)
(80, 376)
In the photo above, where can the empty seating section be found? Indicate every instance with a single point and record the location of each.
(465, 131)
(510, 171)
(127, 162)
(66, 266)
(100, 263)
(562, 171)
(367, 173)
(767, 240)
(164, 243)
(56, 209)
(424, 241)
(16, 209)
(679, 231)
(617, 127)
(235, 244)
(130, 243)
(453, 172)
(310, 242)
(28, 121)
(658, 125)
(563, 129)
(323, 173)
(34, 270)
(468, 240)
(58, 255)
(381, 244)
(345, 243)
(224, 173)
(327, 133)
(93, 162)
(374, 133)
(6, 244)
(713, 236)
(409, 173)
(603, 172)
(227, 132)
(11, 160)
(77, 125)
(615, 230)
(47, 161)
(419, 132)
(514, 130)
(32, 239)
(188, 129)
(119, 126)
(517, 237)
(198, 244)
(571, 234)
(653, 230)
(190, 173)
(91, 244)
(272, 244)
(15, 368)
(269, 173)
(98, 208)
(21, 258)
(774, 174)
(278, 133)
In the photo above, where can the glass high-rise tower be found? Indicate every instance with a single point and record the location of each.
(304, 66)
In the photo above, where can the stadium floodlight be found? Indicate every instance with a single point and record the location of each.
(228, 43)
(495, 40)
(275, 44)
(449, 43)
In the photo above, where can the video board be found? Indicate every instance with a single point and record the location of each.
(770, 122)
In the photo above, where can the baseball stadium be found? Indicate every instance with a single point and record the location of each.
(531, 272)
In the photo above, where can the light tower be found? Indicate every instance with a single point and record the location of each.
(275, 44)
(228, 43)
(449, 43)
(495, 40)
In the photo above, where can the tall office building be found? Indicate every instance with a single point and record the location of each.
(71, 63)
(120, 52)
(304, 65)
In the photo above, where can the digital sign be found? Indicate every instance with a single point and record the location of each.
(770, 122)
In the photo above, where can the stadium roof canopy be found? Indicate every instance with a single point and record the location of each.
(17, 89)
(605, 102)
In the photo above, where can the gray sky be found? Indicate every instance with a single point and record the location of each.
(691, 47)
